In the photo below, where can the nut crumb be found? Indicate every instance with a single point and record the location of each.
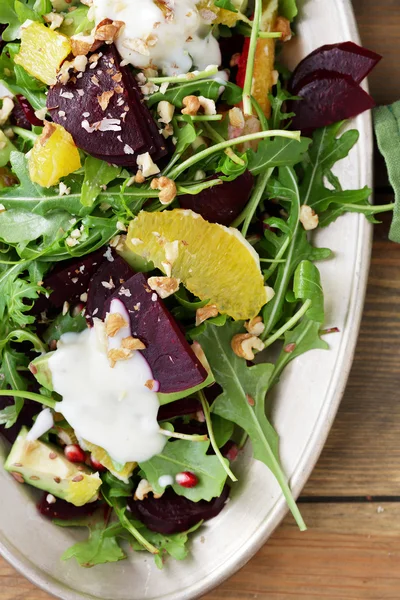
(308, 217)
(255, 326)
(206, 312)
(167, 189)
(132, 343)
(114, 323)
(164, 286)
(243, 344)
(116, 354)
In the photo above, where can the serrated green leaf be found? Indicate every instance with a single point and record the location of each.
(276, 153)
(98, 173)
(97, 550)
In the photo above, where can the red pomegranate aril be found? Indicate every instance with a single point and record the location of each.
(97, 465)
(186, 479)
(74, 453)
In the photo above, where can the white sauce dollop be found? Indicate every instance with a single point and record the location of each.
(44, 422)
(110, 407)
(173, 40)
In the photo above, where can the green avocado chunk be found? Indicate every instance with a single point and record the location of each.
(45, 467)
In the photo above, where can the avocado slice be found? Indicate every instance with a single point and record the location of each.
(45, 467)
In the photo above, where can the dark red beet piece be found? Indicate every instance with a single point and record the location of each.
(172, 513)
(29, 112)
(186, 406)
(65, 510)
(127, 126)
(326, 100)
(346, 58)
(222, 203)
(172, 361)
(114, 272)
(29, 410)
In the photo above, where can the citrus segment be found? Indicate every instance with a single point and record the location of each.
(212, 261)
(123, 472)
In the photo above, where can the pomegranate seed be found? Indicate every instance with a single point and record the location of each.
(186, 479)
(74, 453)
(230, 451)
(97, 465)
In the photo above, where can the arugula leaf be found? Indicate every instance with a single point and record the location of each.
(98, 173)
(183, 455)
(176, 93)
(225, 4)
(239, 383)
(10, 377)
(288, 9)
(277, 101)
(276, 153)
(8, 16)
(20, 225)
(100, 548)
(64, 324)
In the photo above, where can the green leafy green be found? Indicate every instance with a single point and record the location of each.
(100, 548)
(64, 324)
(98, 174)
(288, 9)
(226, 4)
(276, 153)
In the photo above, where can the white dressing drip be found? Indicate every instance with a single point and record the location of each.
(171, 36)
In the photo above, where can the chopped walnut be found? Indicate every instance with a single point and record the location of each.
(308, 217)
(167, 189)
(164, 286)
(143, 489)
(104, 99)
(132, 343)
(207, 105)
(236, 118)
(255, 326)
(146, 164)
(80, 63)
(48, 130)
(55, 19)
(166, 111)
(191, 104)
(116, 354)
(114, 322)
(251, 125)
(6, 109)
(139, 177)
(108, 31)
(83, 44)
(150, 384)
(137, 45)
(243, 343)
(206, 312)
(282, 25)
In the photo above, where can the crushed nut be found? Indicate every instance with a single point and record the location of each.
(55, 19)
(139, 177)
(104, 99)
(207, 105)
(255, 326)
(206, 312)
(236, 118)
(48, 130)
(143, 489)
(243, 343)
(108, 31)
(132, 343)
(146, 164)
(164, 286)
(150, 384)
(191, 104)
(282, 25)
(114, 322)
(167, 189)
(137, 45)
(166, 111)
(116, 354)
(83, 44)
(308, 217)
(6, 109)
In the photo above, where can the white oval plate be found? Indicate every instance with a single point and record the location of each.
(306, 402)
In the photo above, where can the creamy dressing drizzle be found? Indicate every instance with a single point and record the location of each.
(170, 36)
(110, 407)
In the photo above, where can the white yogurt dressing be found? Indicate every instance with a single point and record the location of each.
(173, 40)
(110, 407)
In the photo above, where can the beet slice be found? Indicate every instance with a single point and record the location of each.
(29, 410)
(172, 513)
(346, 58)
(172, 361)
(222, 203)
(179, 408)
(65, 510)
(113, 273)
(330, 98)
(28, 112)
(127, 126)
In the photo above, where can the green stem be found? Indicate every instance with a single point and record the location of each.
(50, 402)
(289, 324)
(371, 209)
(293, 135)
(247, 106)
(206, 411)
(200, 118)
(216, 137)
(25, 133)
(265, 35)
(183, 436)
(255, 199)
(193, 76)
(125, 522)
(278, 259)
(272, 260)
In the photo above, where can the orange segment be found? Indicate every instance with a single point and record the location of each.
(265, 59)
(214, 262)
(101, 456)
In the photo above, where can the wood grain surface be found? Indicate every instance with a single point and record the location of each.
(352, 500)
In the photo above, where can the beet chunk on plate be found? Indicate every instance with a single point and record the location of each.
(171, 359)
(222, 203)
(346, 58)
(327, 99)
(172, 513)
(65, 511)
(103, 110)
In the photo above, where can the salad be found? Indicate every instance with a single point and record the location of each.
(160, 173)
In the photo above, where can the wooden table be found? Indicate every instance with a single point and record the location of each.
(352, 501)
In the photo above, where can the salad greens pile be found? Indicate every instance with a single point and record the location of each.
(38, 228)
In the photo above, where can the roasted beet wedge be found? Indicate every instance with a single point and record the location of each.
(103, 110)
(28, 112)
(172, 361)
(65, 511)
(222, 203)
(112, 273)
(179, 408)
(346, 58)
(328, 99)
(172, 513)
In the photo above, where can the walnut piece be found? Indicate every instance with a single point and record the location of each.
(191, 104)
(143, 489)
(282, 25)
(114, 323)
(104, 99)
(83, 44)
(207, 105)
(116, 354)
(167, 189)
(166, 111)
(206, 312)
(255, 326)
(243, 343)
(132, 343)
(146, 165)
(108, 30)
(55, 19)
(308, 217)
(164, 286)
(236, 118)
